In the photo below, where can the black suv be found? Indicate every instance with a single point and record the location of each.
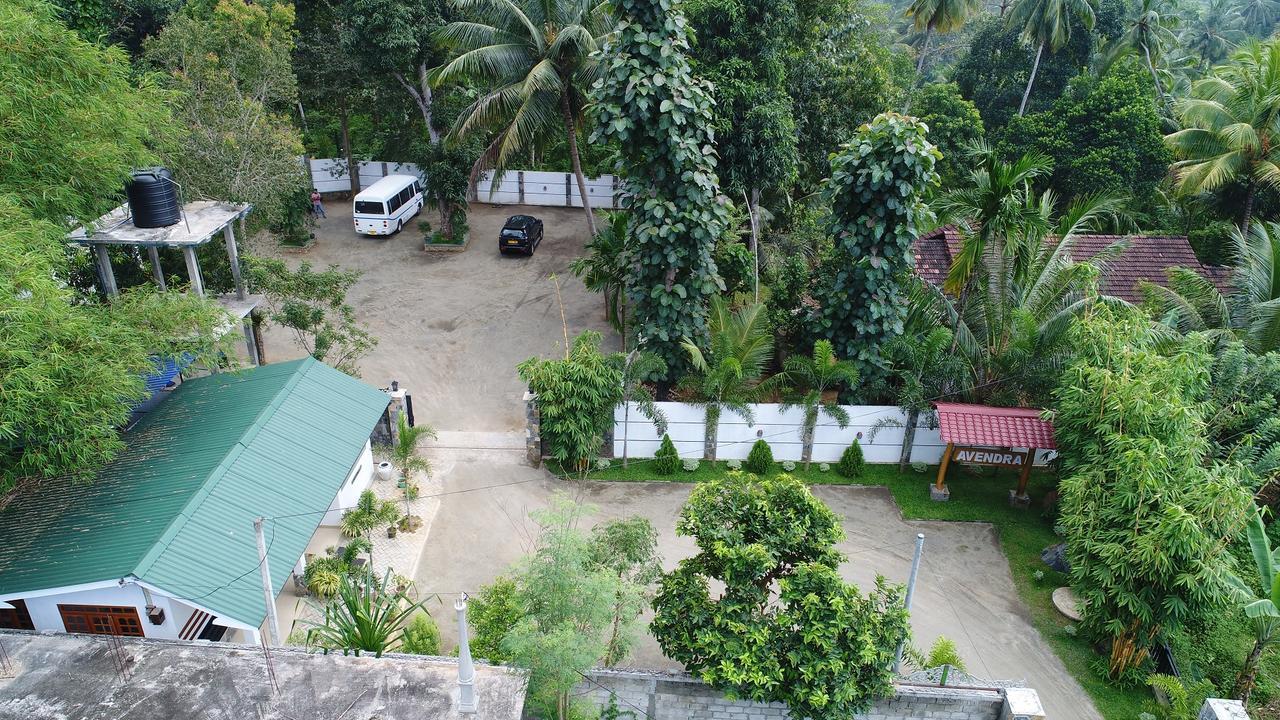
(522, 233)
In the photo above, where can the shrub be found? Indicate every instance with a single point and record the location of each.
(666, 460)
(788, 466)
(493, 612)
(851, 463)
(760, 459)
(690, 464)
(733, 464)
(944, 652)
(421, 637)
(920, 466)
(824, 467)
(603, 463)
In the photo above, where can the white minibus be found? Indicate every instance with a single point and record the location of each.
(384, 207)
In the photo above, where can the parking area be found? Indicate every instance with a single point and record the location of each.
(451, 327)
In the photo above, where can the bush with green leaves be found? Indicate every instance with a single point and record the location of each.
(760, 459)
(788, 466)
(603, 463)
(944, 652)
(649, 102)
(786, 628)
(666, 460)
(576, 397)
(491, 613)
(851, 464)
(824, 467)
(421, 636)
(877, 191)
(365, 615)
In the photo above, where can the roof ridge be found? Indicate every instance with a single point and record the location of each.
(175, 526)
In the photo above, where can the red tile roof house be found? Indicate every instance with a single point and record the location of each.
(1146, 257)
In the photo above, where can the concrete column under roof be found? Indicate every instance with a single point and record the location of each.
(157, 272)
(105, 272)
(233, 254)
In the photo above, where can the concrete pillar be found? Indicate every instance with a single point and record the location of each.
(520, 184)
(250, 342)
(157, 272)
(105, 272)
(1021, 704)
(532, 430)
(193, 269)
(1219, 709)
(233, 254)
(466, 669)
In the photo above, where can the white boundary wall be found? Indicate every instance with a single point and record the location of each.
(515, 187)
(781, 429)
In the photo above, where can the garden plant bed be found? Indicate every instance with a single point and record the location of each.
(430, 246)
(1023, 534)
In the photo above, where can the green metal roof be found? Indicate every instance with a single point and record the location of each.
(176, 507)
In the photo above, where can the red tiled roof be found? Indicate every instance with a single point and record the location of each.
(1146, 257)
(994, 426)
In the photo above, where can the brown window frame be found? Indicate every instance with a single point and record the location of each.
(19, 618)
(101, 619)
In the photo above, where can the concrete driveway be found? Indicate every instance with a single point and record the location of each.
(452, 326)
(964, 592)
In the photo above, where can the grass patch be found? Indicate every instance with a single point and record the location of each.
(1023, 533)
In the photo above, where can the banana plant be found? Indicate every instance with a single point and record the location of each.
(1262, 610)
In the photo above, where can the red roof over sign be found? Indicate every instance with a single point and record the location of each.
(994, 426)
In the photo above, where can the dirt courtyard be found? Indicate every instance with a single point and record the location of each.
(452, 327)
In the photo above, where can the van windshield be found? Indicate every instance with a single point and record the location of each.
(366, 207)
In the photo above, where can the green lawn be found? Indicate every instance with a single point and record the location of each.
(1023, 534)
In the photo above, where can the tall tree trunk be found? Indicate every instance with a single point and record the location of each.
(1248, 208)
(1035, 67)
(422, 97)
(1155, 77)
(908, 439)
(1004, 6)
(924, 51)
(1248, 674)
(806, 441)
(571, 131)
(626, 419)
(353, 169)
(712, 425)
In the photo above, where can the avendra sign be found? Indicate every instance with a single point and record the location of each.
(999, 458)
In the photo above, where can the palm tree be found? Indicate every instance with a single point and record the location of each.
(602, 269)
(926, 369)
(369, 514)
(404, 452)
(1192, 303)
(1262, 610)
(814, 377)
(1231, 127)
(727, 376)
(540, 59)
(1211, 30)
(1047, 23)
(636, 368)
(1150, 33)
(940, 16)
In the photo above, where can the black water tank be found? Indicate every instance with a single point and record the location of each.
(153, 198)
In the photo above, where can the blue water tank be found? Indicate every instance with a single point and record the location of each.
(153, 198)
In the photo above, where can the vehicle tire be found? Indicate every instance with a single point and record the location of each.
(399, 226)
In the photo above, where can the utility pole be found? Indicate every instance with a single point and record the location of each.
(273, 623)
(911, 591)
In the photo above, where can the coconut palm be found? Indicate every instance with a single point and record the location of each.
(1149, 34)
(1231, 127)
(1211, 29)
(1192, 303)
(927, 369)
(636, 368)
(539, 59)
(1262, 609)
(816, 378)
(1047, 23)
(1259, 14)
(602, 269)
(727, 376)
(938, 16)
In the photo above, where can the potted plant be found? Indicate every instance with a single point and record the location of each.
(368, 514)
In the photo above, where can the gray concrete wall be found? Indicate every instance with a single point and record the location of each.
(681, 697)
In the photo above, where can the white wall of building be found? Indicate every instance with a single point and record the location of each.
(782, 430)
(359, 478)
(45, 615)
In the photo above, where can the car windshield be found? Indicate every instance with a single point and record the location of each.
(512, 232)
(365, 207)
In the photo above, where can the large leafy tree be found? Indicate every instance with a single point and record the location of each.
(816, 380)
(538, 60)
(727, 376)
(649, 101)
(1145, 516)
(576, 398)
(231, 64)
(938, 16)
(1047, 24)
(1229, 128)
(330, 75)
(876, 192)
(74, 126)
(1103, 135)
(781, 624)
(396, 40)
(954, 124)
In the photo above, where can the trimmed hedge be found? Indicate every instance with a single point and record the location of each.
(666, 461)
(760, 459)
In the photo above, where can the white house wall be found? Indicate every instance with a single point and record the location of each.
(359, 478)
(782, 430)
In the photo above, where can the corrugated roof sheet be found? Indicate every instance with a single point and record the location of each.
(176, 507)
(1145, 257)
(994, 426)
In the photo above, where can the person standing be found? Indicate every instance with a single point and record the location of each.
(317, 206)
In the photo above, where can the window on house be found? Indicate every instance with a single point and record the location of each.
(101, 619)
(18, 618)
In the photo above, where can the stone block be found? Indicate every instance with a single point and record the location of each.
(937, 495)
(1220, 709)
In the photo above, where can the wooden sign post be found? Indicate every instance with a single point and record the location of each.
(969, 455)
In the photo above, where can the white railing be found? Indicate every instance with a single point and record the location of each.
(782, 430)
(515, 187)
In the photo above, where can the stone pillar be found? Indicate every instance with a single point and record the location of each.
(396, 409)
(1219, 709)
(1021, 704)
(532, 430)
